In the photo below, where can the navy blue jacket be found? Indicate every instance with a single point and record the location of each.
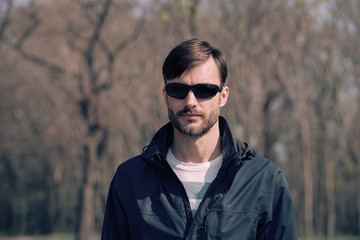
(249, 198)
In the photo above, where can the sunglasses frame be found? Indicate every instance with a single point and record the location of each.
(193, 88)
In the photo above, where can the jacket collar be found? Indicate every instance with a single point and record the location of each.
(162, 140)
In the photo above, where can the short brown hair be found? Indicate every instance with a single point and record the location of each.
(190, 54)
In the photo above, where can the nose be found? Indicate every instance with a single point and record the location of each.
(190, 100)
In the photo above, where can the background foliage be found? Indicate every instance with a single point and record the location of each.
(81, 91)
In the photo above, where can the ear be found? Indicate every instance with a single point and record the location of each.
(165, 96)
(224, 96)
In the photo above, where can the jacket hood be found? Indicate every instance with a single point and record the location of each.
(162, 140)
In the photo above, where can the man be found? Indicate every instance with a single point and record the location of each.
(194, 181)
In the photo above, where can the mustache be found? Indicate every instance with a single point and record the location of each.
(187, 110)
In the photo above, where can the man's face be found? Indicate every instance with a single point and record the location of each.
(192, 116)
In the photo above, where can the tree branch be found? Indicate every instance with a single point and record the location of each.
(6, 20)
(89, 53)
(135, 33)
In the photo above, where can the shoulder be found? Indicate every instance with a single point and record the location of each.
(130, 170)
(265, 175)
(273, 179)
(131, 163)
(262, 165)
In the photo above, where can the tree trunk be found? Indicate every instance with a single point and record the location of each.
(87, 224)
(308, 175)
(330, 194)
(355, 154)
(87, 215)
(358, 193)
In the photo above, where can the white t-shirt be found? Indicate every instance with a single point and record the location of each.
(196, 177)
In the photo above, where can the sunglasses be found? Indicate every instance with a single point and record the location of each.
(201, 91)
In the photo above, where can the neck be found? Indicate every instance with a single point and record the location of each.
(197, 149)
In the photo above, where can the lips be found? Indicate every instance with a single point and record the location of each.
(189, 115)
(189, 118)
(188, 112)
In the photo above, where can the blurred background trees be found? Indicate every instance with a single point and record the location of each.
(80, 92)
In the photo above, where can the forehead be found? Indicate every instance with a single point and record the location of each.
(206, 72)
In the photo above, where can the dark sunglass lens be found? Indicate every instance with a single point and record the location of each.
(203, 91)
(177, 90)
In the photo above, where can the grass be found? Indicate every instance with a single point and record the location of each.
(71, 236)
(56, 236)
(342, 237)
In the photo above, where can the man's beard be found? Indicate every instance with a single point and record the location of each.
(194, 131)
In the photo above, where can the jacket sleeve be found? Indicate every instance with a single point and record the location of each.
(115, 224)
(280, 220)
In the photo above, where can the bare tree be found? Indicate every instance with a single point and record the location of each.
(5, 17)
(90, 71)
(78, 98)
(348, 17)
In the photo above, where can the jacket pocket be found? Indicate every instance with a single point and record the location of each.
(227, 224)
